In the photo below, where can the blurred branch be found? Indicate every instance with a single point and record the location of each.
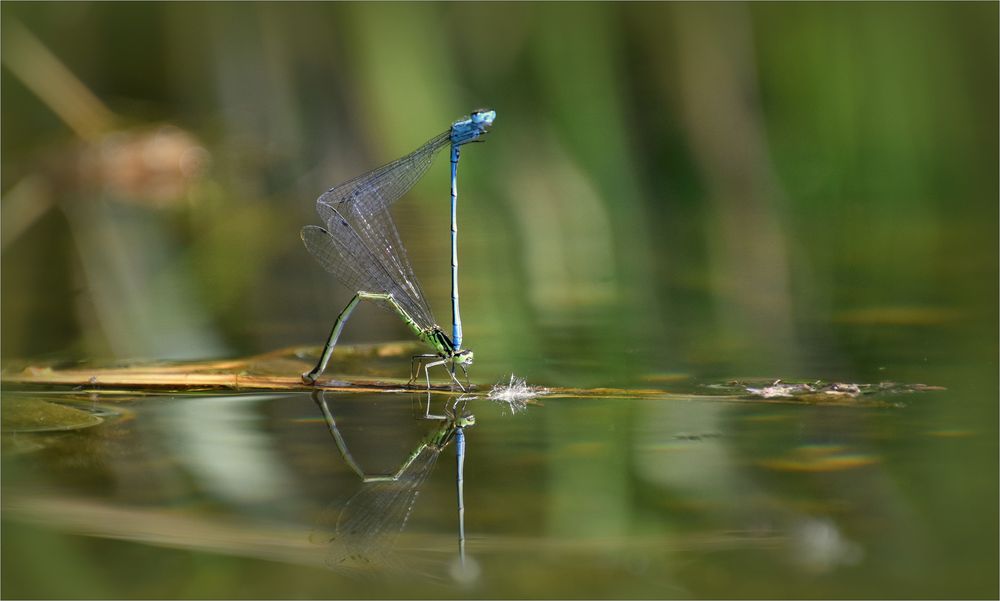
(45, 75)
(22, 206)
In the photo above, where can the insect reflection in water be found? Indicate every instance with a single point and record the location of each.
(362, 534)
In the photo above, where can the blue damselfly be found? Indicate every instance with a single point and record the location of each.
(361, 246)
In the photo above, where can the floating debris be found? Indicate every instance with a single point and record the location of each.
(515, 393)
(779, 389)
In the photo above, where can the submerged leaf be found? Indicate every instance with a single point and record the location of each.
(35, 415)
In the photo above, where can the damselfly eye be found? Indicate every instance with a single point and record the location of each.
(484, 117)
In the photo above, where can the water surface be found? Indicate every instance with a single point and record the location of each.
(693, 492)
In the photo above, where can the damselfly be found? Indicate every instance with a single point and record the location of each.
(361, 246)
(366, 527)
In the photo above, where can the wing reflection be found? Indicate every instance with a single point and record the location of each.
(362, 534)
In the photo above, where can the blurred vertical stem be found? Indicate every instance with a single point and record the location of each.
(404, 97)
(580, 74)
(721, 112)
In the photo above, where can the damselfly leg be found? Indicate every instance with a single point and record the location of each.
(310, 376)
(415, 364)
(465, 373)
(427, 373)
(418, 360)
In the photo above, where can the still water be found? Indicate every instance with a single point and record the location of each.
(686, 488)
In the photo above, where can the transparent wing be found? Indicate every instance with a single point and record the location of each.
(375, 191)
(369, 523)
(342, 252)
(363, 203)
(379, 241)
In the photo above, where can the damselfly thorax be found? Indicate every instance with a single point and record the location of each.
(446, 353)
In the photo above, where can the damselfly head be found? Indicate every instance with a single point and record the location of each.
(472, 127)
(465, 420)
(464, 357)
(484, 117)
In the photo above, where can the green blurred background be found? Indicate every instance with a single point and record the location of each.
(713, 188)
(709, 191)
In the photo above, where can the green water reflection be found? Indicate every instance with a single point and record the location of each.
(199, 495)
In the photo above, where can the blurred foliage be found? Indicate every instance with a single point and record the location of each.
(703, 187)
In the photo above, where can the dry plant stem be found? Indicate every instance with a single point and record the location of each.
(279, 371)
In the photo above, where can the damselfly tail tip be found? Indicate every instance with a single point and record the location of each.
(464, 570)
